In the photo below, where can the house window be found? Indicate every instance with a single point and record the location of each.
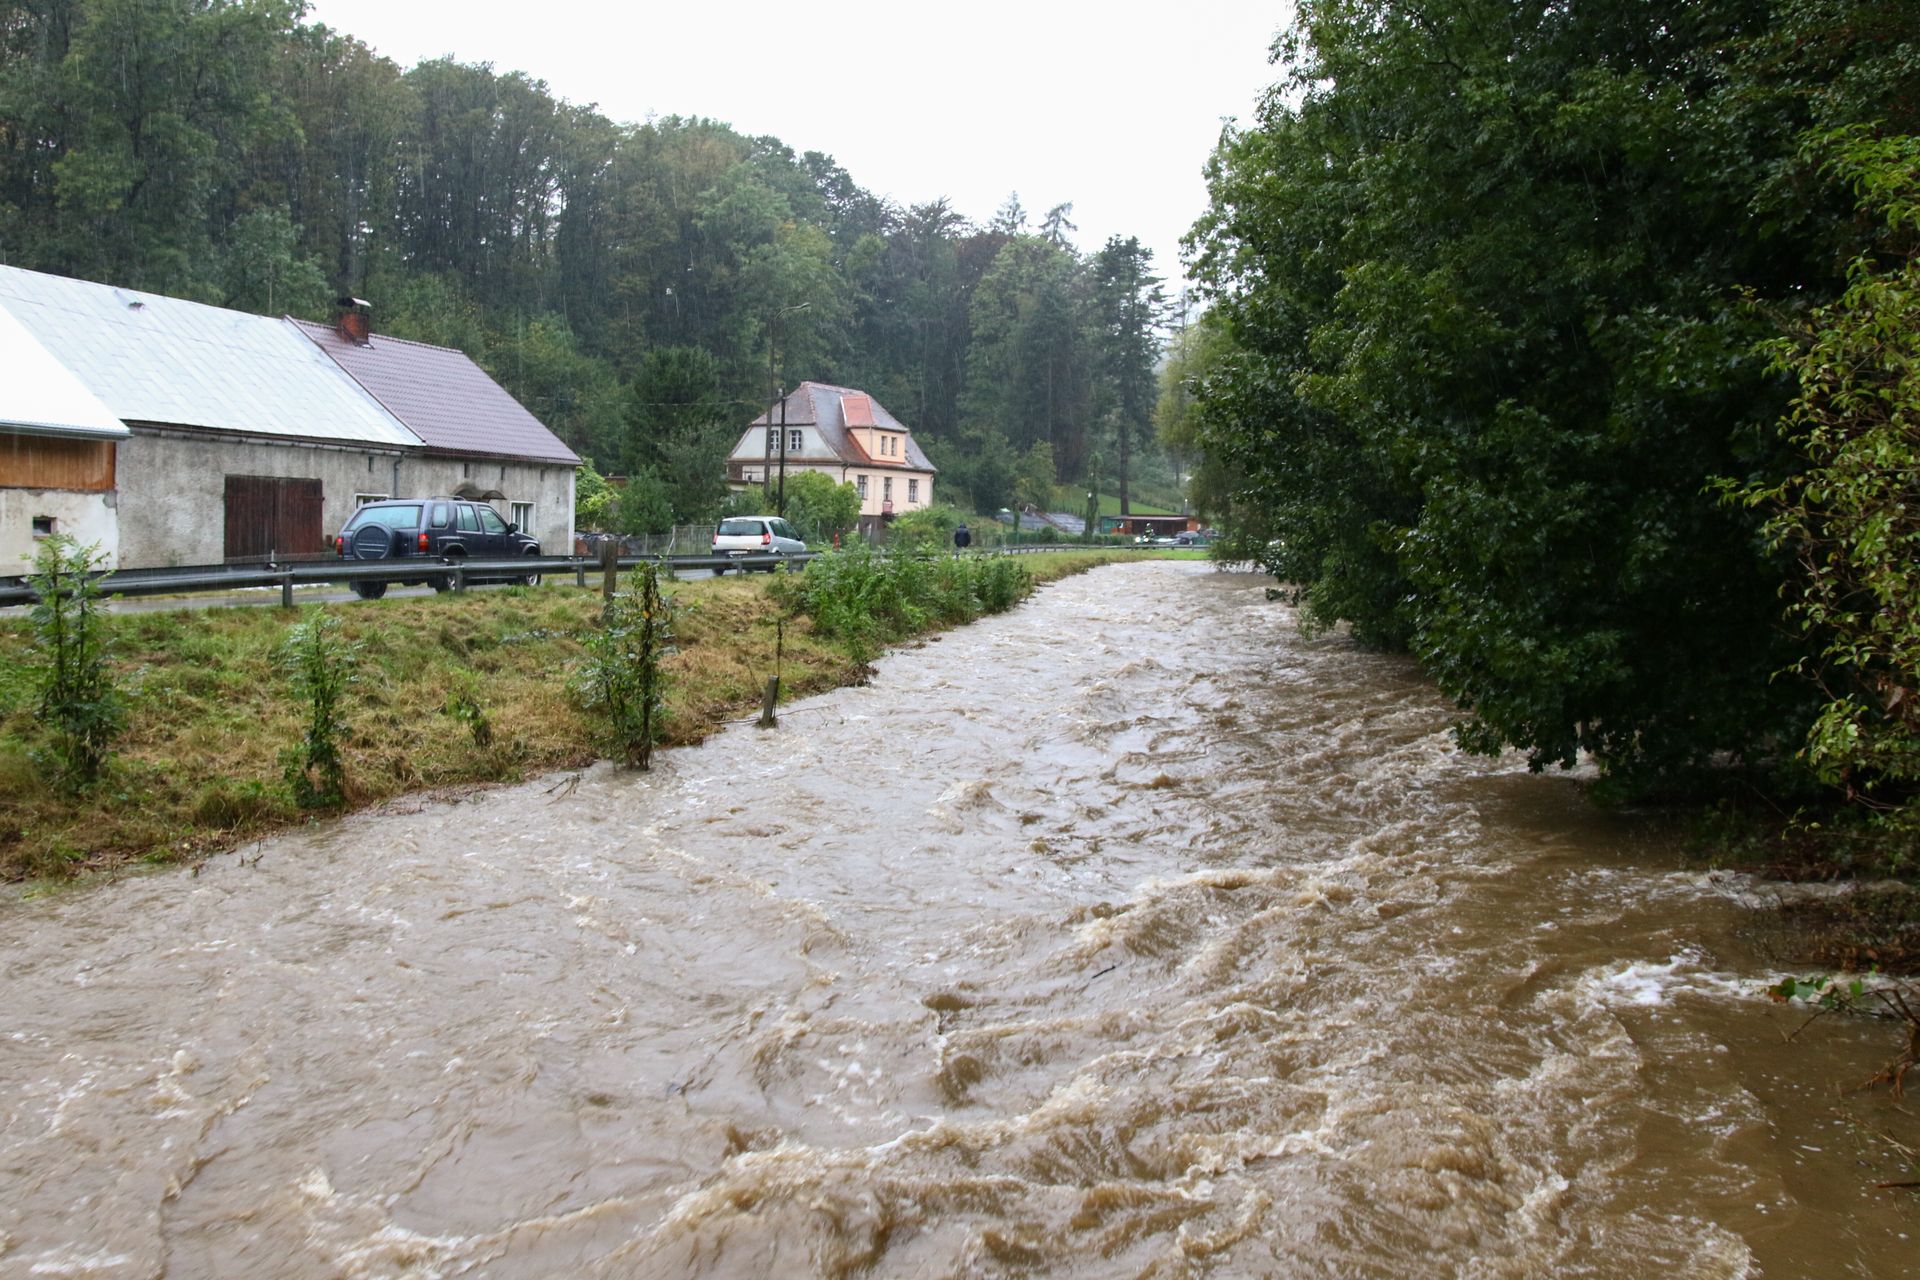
(773, 439)
(362, 499)
(43, 527)
(794, 441)
(861, 482)
(913, 491)
(886, 489)
(521, 513)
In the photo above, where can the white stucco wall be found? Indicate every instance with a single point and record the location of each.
(172, 498)
(87, 518)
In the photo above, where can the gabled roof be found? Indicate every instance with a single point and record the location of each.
(40, 396)
(442, 396)
(831, 410)
(151, 358)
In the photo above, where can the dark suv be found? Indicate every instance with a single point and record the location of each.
(448, 529)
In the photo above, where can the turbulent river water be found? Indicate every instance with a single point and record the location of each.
(1128, 934)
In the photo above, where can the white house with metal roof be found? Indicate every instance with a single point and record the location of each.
(245, 439)
(846, 434)
(57, 454)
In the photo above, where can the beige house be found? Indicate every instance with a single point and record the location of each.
(844, 433)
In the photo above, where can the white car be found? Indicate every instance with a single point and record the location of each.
(740, 536)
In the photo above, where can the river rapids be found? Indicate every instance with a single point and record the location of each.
(1131, 933)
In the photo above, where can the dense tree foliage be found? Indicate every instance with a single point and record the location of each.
(621, 279)
(1491, 276)
(1851, 516)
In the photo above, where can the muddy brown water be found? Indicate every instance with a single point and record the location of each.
(1129, 934)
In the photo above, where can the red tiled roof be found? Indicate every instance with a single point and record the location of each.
(442, 396)
(857, 410)
(829, 410)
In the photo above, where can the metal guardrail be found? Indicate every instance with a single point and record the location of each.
(453, 574)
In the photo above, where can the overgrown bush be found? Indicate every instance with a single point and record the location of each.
(864, 599)
(320, 666)
(79, 704)
(621, 676)
(1850, 516)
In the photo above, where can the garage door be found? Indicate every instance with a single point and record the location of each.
(272, 516)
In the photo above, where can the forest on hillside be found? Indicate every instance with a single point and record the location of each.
(640, 287)
(1573, 346)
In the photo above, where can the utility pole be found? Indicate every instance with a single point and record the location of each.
(779, 394)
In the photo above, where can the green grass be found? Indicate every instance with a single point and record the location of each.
(198, 768)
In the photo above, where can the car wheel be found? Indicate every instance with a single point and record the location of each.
(531, 579)
(369, 590)
(444, 581)
(719, 571)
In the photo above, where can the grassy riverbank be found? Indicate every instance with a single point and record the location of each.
(198, 768)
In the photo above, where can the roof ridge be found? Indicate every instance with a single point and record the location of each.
(385, 337)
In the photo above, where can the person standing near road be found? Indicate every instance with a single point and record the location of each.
(961, 538)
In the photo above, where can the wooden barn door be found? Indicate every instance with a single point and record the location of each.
(273, 516)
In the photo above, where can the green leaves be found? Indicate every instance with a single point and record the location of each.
(80, 704)
(1479, 272)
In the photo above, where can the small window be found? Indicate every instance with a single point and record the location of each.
(861, 482)
(795, 440)
(886, 488)
(44, 527)
(773, 439)
(522, 515)
(913, 491)
(362, 499)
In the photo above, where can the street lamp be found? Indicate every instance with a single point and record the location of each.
(780, 395)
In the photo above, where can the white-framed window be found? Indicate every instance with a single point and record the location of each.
(860, 482)
(795, 439)
(362, 499)
(913, 491)
(521, 513)
(886, 488)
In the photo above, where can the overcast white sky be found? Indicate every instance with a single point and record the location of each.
(1114, 107)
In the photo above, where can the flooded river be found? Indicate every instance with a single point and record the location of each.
(1129, 934)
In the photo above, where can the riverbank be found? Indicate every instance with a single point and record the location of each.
(450, 692)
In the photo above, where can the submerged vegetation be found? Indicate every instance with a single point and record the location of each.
(448, 691)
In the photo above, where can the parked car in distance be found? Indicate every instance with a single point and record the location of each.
(446, 530)
(739, 536)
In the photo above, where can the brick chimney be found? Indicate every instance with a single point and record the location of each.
(353, 320)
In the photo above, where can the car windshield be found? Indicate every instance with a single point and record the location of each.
(737, 528)
(406, 515)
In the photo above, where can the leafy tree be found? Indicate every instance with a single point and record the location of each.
(1193, 358)
(645, 505)
(819, 506)
(1033, 480)
(1851, 514)
(1126, 304)
(594, 499)
(1479, 269)
(681, 427)
(264, 271)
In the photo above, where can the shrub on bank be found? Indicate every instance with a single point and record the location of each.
(865, 600)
